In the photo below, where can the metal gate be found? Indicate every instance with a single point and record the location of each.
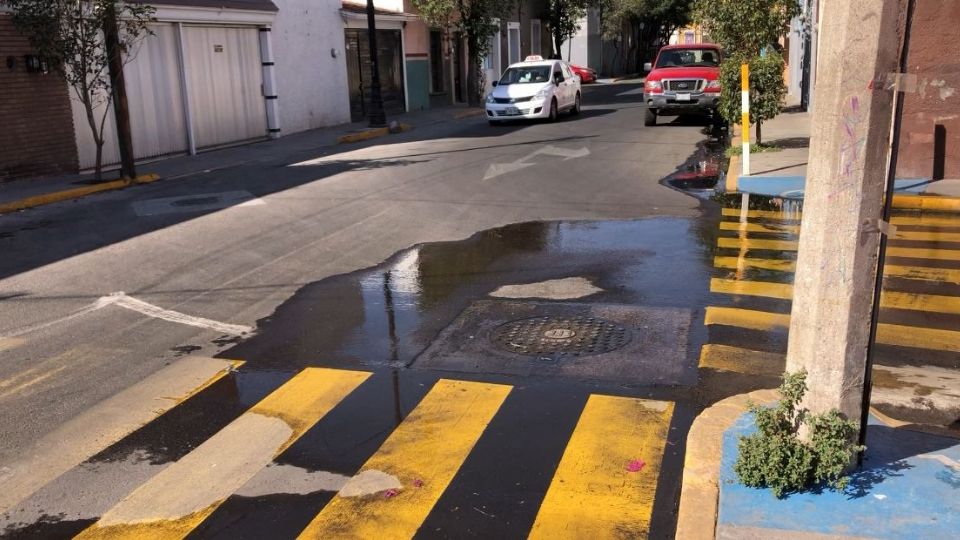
(155, 100)
(223, 70)
(224, 79)
(359, 72)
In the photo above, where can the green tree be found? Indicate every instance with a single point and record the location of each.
(563, 17)
(746, 29)
(474, 18)
(767, 89)
(68, 35)
(637, 26)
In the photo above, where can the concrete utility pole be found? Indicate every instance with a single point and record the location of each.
(839, 238)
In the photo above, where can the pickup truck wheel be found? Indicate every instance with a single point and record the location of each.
(650, 118)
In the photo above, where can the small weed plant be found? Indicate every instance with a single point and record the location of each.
(775, 457)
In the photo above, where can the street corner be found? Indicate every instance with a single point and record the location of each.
(881, 500)
(373, 133)
(700, 490)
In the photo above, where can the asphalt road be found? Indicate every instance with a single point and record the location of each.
(102, 294)
(461, 331)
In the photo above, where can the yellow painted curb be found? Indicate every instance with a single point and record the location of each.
(368, 134)
(75, 193)
(468, 114)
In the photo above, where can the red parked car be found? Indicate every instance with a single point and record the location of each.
(685, 79)
(587, 75)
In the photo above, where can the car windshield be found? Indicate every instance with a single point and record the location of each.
(526, 75)
(688, 58)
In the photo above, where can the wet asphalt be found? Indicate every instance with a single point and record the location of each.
(649, 264)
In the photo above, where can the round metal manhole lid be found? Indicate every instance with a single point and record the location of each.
(559, 336)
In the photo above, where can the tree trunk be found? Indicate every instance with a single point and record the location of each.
(98, 167)
(473, 72)
(758, 132)
(118, 86)
(557, 45)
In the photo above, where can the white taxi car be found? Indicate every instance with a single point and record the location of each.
(534, 88)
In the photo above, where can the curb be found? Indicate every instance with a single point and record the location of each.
(700, 489)
(75, 193)
(468, 114)
(368, 134)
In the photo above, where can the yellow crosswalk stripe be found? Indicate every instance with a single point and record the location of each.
(727, 358)
(888, 334)
(942, 220)
(919, 236)
(757, 243)
(770, 214)
(792, 245)
(605, 483)
(758, 227)
(180, 497)
(920, 273)
(423, 453)
(746, 318)
(916, 273)
(737, 263)
(918, 337)
(890, 299)
(783, 291)
(924, 253)
(927, 236)
(927, 221)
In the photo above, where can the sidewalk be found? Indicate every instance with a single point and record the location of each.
(907, 487)
(29, 192)
(783, 173)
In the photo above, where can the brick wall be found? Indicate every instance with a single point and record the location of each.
(934, 58)
(36, 124)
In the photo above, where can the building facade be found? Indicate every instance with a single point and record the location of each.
(37, 126)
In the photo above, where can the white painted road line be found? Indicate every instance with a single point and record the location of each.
(122, 300)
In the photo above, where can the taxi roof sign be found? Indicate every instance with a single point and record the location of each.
(533, 58)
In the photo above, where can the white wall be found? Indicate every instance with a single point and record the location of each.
(311, 83)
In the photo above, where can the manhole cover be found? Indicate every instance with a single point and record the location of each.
(557, 336)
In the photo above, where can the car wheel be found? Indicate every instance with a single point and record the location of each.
(650, 118)
(553, 111)
(576, 105)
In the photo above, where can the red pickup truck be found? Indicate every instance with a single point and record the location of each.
(685, 79)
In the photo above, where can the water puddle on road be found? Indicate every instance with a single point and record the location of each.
(389, 314)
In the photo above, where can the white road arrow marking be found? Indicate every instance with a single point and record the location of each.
(497, 169)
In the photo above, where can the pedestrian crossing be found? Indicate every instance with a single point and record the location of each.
(603, 485)
(752, 289)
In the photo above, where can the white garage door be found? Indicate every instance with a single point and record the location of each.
(225, 81)
(157, 120)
